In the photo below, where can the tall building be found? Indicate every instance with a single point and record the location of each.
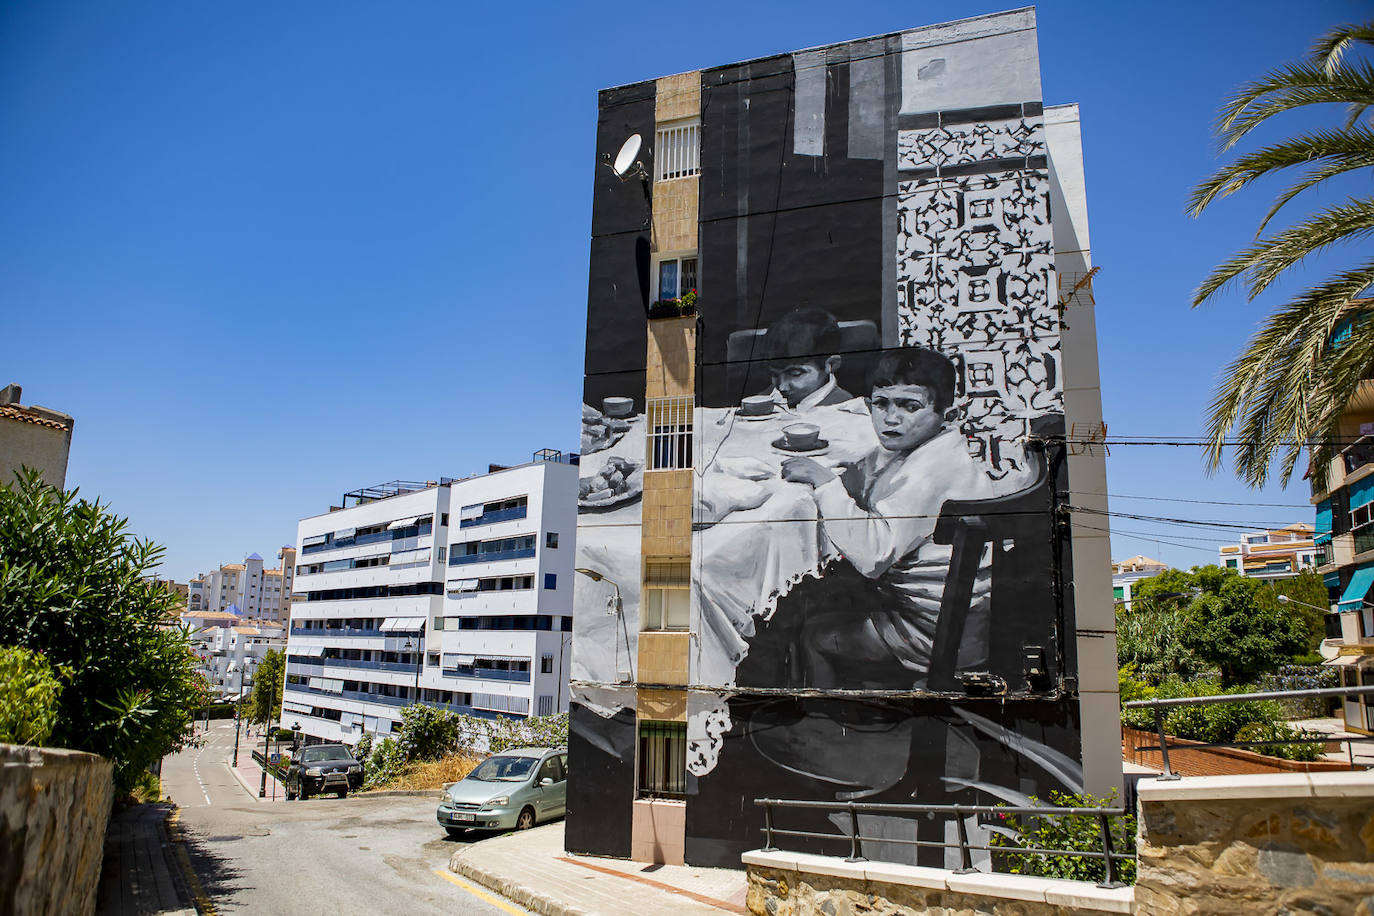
(455, 593)
(1345, 542)
(34, 437)
(257, 593)
(825, 521)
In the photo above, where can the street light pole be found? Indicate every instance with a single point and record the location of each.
(419, 651)
(266, 737)
(238, 717)
(1284, 599)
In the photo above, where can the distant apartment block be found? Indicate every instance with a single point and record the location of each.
(230, 650)
(1276, 553)
(32, 436)
(254, 592)
(1126, 573)
(454, 593)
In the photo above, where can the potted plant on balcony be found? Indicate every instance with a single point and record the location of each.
(686, 304)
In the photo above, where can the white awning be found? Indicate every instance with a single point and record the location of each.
(468, 513)
(327, 684)
(463, 585)
(314, 539)
(308, 651)
(297, 707)
(402, 557)
(403, 522)
(344, 533)
(403, 625)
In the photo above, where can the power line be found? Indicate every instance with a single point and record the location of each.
(1205, 502)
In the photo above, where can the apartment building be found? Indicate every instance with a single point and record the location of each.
(1275, 553)
(786, 588)
(1344, 540)
(1127, 573)
(256, 592)
(454, 593)
(231, 652)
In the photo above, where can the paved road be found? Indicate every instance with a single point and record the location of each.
(325, 855)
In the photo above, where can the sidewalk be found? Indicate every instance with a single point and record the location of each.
(140, 874)
(531, 868)
(249, 775)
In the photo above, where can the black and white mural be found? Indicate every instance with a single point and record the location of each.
(879, 563)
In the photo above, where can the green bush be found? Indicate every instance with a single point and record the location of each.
(427, 733)
(76, 586)
(1222, 723)
(1281, 731)
(29, 690)
(1080, 833)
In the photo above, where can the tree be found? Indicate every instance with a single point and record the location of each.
(1308, 592)
(1290, 385)
(265, 703)
(1184, 623)
(76, 587)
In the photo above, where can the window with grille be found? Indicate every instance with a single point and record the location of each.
(667, 595)
(662, 759)
(670, 433)
(677, 150)
(545, 705)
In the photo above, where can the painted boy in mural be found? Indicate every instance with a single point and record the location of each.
(880, 515)
(802, 349)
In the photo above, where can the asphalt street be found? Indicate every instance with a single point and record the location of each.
(325, 855)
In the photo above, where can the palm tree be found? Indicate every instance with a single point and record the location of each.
(1287, 389)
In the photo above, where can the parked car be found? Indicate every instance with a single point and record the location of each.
(511, 790)
(323, 768)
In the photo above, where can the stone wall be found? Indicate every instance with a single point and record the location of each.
(1288, 843)
(54, 807)
(798, 884)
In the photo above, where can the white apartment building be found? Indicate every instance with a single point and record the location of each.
(455, 593)
(230, 653)
(1276, 553)
(256, 592)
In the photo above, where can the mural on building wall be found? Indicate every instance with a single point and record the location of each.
(879, 396)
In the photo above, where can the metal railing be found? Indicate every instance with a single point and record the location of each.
(1105, 852)
(1157, 706)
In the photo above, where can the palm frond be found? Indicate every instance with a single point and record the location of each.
(1338, 150)
(1331, 47)
(1290, 385)
(1290, 87)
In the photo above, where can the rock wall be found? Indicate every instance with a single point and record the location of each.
(1290, 843)
(54, 807)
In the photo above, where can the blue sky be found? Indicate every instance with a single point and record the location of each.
(266, 253)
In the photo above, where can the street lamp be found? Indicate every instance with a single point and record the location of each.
(238, 711)
(615, 606)
(266, 737)
(1284, 599)
(419, 658)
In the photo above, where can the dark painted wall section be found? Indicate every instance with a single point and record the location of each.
(601, 791)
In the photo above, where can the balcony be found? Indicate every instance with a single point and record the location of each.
(491, 518)
(337, 631)
(493, 556)
(490, 674)
(1364, 540)
(1358, 454)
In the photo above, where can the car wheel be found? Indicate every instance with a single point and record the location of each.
(526, 819)
(290, 796)
(341, 793)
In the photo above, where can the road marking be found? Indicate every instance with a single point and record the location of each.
(203, 904)
(483, 895)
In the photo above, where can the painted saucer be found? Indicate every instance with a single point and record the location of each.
(755, 417)
(781, 445)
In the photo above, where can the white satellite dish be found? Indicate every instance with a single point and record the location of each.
(625, 159)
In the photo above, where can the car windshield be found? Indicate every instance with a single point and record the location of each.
(504, 769)
(324, 752)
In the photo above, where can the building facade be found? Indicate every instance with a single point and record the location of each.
(824, 530)
(255, 592)
(1345, 542)
(1276, 553)
(34, 437)
(1126, 573)
(454, 593)
(231, 652)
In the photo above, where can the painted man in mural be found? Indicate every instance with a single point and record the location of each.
(880, 515)
(802, 349)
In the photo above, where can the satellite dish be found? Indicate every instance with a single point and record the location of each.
(625, 159)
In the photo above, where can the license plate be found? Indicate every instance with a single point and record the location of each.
(465, 818)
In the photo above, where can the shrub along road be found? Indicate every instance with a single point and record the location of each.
(381, 855)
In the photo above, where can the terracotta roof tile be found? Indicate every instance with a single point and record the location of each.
(13, 412)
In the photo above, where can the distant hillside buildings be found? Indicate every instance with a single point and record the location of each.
(1276, 553)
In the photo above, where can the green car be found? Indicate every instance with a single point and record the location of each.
(515, 789)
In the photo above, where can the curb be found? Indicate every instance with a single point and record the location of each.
(385, 793)
(531, 900)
